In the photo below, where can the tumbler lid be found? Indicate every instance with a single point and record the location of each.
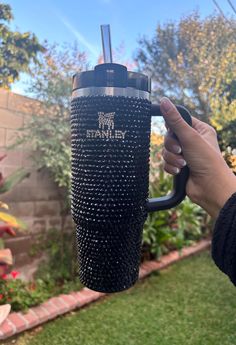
(111, 75)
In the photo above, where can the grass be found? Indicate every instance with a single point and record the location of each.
(190, 303)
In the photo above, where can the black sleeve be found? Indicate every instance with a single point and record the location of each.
(224, 239)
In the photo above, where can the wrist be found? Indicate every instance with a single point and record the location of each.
(218, 192)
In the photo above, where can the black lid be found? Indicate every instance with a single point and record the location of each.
(113, 75)
(139, 81)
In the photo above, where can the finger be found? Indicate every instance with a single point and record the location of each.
(196, 122)
(171, 169)
(168, 129)
(173, 159)
(203, 128)
(198, 125)
(171, 143)
(174, 120)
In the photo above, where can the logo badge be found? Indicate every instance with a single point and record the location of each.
(106, 128)
(106, 120)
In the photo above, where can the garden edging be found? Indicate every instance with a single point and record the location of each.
(17, 322)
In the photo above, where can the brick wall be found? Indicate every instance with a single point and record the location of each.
(36, 200)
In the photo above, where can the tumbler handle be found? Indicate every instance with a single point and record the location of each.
(179, 182)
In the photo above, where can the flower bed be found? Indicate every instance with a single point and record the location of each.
(19, 322)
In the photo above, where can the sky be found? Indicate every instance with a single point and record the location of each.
(79, 20)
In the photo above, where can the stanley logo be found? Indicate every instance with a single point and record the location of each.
(106, 128)
(106, 120)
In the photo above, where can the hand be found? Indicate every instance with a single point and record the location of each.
(211, 182)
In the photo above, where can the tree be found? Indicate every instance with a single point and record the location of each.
(194, 62)
(51, 83)
(17, 49)
(49, 136)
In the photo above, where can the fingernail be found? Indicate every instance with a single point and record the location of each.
(182, 162)
(176, 170)
(166, 104)
(176, 149)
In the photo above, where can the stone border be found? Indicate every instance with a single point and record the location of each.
(17, 322)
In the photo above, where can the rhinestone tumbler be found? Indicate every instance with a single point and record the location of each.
(110, 126)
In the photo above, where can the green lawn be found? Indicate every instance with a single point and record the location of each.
(190, 303)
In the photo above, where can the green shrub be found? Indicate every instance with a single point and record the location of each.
(174, 228)
(61, 264)
(23, 295)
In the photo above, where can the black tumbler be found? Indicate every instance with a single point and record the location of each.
(110, 124)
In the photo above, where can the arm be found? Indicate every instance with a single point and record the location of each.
(224, 239)
(211, 184)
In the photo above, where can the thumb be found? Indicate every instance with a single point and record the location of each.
(175, 121)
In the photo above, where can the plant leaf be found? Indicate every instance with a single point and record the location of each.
(13, 179)
(12, 221)
(2, 205)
